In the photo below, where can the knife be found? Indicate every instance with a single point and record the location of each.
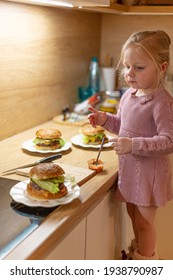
(43, 160)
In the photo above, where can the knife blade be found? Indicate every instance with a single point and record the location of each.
(43, 160)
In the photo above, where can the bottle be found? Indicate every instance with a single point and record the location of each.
(94, 76)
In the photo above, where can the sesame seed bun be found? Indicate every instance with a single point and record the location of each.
(93, 135)
(45, 171)
(90, 130)
(48, 133)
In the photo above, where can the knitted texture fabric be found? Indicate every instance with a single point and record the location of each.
(138, 256)
(145, 177)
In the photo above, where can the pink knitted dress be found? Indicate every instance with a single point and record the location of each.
(145, 177)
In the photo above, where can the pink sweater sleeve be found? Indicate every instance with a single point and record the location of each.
(162, 143)
(112, 124)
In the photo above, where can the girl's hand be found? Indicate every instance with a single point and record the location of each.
(97, 117)
(122, 145)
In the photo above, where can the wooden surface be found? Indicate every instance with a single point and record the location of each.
(65, 218)
(45, 55)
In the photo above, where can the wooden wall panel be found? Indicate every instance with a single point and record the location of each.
(44, 56)
(117, 28)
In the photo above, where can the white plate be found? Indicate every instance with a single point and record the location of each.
(77, 140)
(30, 146)
(18, 193)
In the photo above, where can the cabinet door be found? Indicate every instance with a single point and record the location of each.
(72, 247)
(100, 233)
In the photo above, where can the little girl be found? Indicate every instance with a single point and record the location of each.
(144, 124)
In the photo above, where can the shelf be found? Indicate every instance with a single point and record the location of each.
(65, 3)
(112, 9)
(150, 10)
(133, 10)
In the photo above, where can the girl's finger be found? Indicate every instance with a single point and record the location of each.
(93, 110)
(89, 116)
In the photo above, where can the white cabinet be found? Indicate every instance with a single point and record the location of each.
(72, 246)
(100, 231)
(94, 238)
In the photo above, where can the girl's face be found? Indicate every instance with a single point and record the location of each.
(140, 71)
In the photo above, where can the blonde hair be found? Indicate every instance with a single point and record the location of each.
(156, 44)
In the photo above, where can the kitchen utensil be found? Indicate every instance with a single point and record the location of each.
(107, 78)
(100, 149)
(43, 160)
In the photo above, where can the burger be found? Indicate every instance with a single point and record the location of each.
(93, 135)
(48, 139)
(46, 182)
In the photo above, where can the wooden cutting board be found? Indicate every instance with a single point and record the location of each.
(77, 122)
(81, 174)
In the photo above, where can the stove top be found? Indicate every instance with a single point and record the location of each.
(17, 221)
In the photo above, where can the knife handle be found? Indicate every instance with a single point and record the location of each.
(50, 158)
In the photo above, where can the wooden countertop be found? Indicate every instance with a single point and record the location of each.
(61, 221)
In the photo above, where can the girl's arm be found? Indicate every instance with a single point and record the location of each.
(162, 143)
(112, 123)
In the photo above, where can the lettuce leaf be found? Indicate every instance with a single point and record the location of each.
(86, 139)
(39, 141)
(62, 142)
(48, 141)
(51, 185)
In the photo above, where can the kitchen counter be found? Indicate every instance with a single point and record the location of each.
(63, 219)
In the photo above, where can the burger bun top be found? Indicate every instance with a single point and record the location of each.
(44, 171)
(48, 133)
(89, 130)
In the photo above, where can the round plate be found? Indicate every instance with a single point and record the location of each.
(77, 140)
(18, 193)
(30, 146)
